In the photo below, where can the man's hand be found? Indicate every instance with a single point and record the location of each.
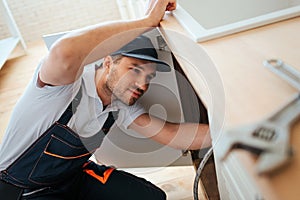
(156, 9)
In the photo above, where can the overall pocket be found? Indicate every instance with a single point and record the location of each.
(53, 157)
(59, 160)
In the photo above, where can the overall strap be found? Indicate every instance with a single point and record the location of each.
(94, 142)
(112, 116)
(71, 109)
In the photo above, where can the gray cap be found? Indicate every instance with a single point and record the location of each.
(142, 48)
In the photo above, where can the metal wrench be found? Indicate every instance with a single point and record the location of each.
(269, 138)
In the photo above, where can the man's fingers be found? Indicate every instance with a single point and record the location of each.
(171, 6)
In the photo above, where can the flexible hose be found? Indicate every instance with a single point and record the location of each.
(199, 171)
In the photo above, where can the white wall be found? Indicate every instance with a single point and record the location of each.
(36, 18)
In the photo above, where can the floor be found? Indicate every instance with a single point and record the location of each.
(177, 181)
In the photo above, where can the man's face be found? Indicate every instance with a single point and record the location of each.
(128, 79)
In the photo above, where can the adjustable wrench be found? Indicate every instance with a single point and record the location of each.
(270, 137)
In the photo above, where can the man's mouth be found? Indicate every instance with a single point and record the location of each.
(136, 94)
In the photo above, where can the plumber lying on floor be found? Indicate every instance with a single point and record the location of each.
(67, 109)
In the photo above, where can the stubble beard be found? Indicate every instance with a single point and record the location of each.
(118, 94)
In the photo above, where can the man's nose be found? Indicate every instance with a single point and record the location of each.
(142, 84)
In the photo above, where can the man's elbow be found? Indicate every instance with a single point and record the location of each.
(60, 66)
(62, 54)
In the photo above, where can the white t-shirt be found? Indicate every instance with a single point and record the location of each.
(39, 108)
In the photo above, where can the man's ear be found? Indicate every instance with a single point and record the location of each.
(107, 62)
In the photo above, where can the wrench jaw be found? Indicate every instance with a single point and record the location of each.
(269, 162)
(279, 152)
(260, 139)
(240, 138)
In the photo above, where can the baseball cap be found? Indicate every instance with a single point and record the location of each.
(142, 48)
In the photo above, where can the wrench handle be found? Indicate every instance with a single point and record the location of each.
(287, 72)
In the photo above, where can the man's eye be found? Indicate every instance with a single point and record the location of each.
(136, 70)
(149, 78)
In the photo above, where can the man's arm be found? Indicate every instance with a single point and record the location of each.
(177, 135)
(66, 59)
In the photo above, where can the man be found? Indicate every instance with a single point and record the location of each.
(66, 111)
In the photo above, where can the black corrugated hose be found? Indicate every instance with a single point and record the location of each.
(199, 170)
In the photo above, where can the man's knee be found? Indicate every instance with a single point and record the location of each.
(162, 195)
